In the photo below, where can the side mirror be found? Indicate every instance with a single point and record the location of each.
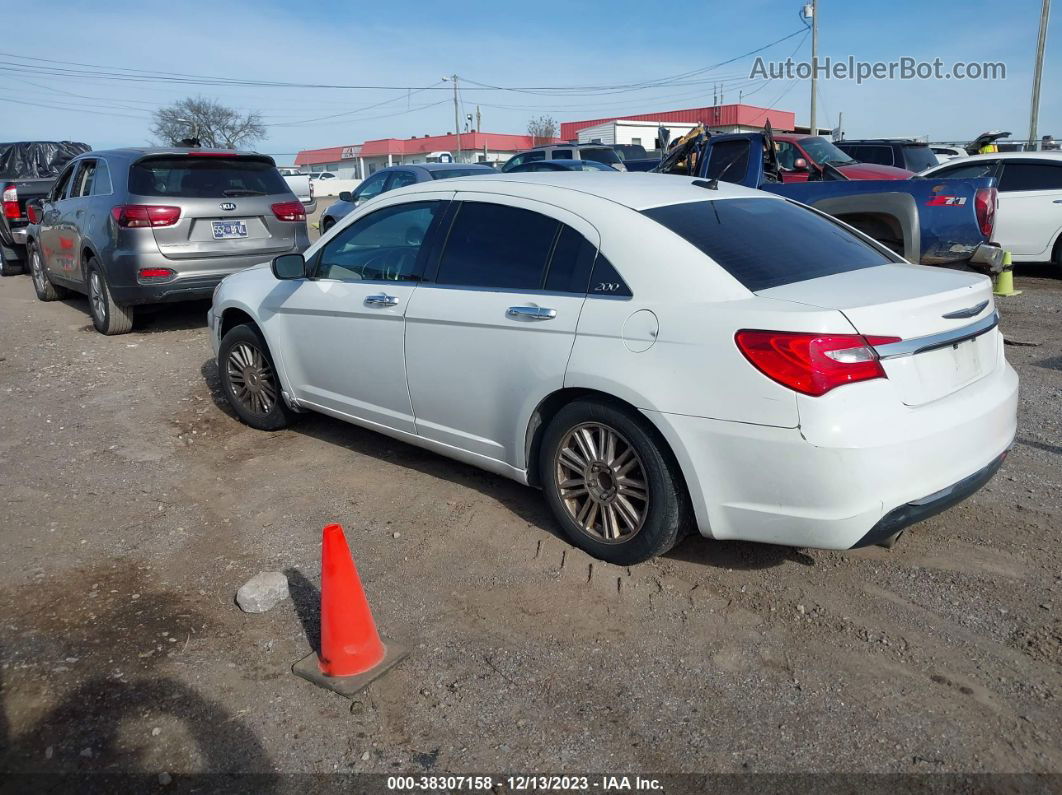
(346, 196)
(289, 266)
(800, 164)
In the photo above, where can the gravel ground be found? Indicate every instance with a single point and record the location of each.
(134, 506)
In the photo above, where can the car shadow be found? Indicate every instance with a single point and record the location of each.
(153, 318)
(527, 503)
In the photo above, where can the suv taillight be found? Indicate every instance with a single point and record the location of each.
(10, 199)
(985, 205)
(289, 211)
(812, 364)
(138, 215)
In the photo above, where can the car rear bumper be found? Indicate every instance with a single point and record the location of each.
(19, 235)
(770, 484)
(193, 279)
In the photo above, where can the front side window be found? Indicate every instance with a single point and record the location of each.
(205, 177)
(383, 246)
(766, 243)
(879, 155)
(1031, 176)
(499, 247)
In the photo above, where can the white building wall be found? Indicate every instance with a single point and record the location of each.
(625, 131)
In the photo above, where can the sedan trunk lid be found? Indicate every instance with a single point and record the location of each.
(945, 320)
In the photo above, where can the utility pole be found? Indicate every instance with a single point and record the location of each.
(1034, 113)
(812, 10)
(457, 121)
(478, 128)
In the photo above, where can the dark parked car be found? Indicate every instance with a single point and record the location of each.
(396, 177)
(144, 226)
(561, 165)
(899, 152)
(599, 152)
(27, 171)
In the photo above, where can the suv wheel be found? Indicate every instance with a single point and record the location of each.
(327, 224)
(108, 316)
(612, 484)
(249, 380)
(42, 285)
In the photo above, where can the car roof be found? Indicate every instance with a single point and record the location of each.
(449, 166)
(135, 153)
(572, 146)
(882, 141)
(638, 190)
(1053, 156)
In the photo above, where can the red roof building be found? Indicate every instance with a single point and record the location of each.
(725, 116)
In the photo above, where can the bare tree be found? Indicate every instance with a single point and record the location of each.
(542, 130)
(214, 124)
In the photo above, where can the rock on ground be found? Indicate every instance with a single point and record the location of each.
(262, 592)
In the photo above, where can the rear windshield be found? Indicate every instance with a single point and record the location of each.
(602, 155)
(766, 243)
(451, 173)
(918, 157)
(192, 177)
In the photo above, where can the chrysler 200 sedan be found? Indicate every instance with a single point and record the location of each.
(658, 354)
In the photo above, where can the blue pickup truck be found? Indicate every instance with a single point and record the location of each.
(933, 222)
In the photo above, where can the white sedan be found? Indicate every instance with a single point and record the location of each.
(658, 354)
(1029, 216)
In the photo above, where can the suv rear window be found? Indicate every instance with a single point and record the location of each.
(766, 243)
(205, 177)
(602, 155)
(918, 157)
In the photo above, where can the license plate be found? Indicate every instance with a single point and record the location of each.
(966, 362)
(226, 229)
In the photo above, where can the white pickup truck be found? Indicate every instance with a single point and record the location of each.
(300, 185)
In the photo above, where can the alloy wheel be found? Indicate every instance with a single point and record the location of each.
(96, 296)
(37, 271)
(251, 379)
(602, 482)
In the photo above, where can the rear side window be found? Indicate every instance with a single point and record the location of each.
(918, 157)
(1031, 176)
(199, 177)
(569, 267)
(561, 154)
(765, 243)
(101, 182)
(494, 246)
(880, 155)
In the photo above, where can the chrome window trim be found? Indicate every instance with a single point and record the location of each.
(941, 340)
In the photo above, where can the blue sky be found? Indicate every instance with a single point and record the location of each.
(571, 44)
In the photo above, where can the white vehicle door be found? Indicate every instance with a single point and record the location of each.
(490, 330)
(1030, 207)
(342, 329)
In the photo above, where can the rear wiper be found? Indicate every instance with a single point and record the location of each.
(241, 192)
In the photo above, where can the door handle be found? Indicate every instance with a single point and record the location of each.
(531, 313)
(381, 299)
(1058, 201)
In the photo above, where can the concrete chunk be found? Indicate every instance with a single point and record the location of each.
(262, 592)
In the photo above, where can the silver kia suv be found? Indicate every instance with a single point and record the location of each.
(144, 226)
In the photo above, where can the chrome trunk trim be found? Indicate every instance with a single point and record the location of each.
(942, 340)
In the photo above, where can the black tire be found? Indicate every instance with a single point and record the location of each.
(1056, 256)
(665, 515)
(327, 224)
(248, 398)
(42, 285)
(9, 266)
(108, 316)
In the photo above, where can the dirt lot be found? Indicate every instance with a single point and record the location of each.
(134, 505)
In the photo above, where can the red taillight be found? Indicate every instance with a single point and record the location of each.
(812, 364)
(289, 211)
(33, 213)
(137, 215)
(985, 205)
(10, 199)
(154, 274)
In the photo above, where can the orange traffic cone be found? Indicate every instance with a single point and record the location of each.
(352, 652)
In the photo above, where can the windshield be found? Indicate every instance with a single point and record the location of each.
(822, 151)
(602, 155)
(919, 157)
